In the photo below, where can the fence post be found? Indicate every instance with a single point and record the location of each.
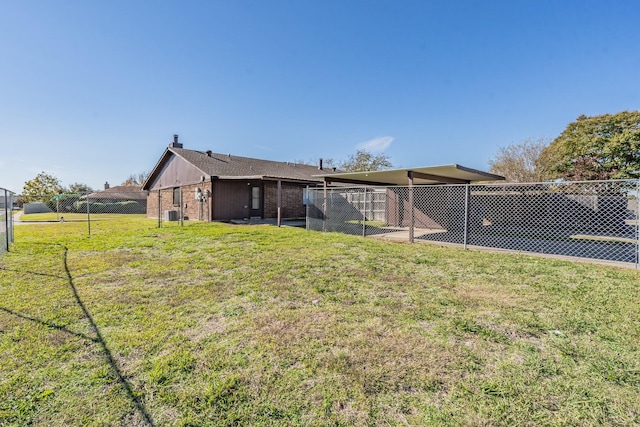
(364, 213)
(306, 208)
(466, 215)
(638, 225)
(6, 217)
(412, 218)
(324, 208)
(88, 215)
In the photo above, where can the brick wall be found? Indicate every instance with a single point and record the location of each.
(291, 206)
(191, 208)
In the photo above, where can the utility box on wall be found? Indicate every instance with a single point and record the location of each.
(170, 215)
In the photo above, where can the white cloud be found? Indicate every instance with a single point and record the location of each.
(376, 144)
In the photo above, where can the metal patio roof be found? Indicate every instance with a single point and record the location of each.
(445, 174)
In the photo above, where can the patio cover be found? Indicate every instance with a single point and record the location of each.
(446, 174)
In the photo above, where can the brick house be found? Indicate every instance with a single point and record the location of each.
(208, 186)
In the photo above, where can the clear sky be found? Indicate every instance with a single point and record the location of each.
(92, 91)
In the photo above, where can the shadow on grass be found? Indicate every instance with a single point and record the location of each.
(147, 420)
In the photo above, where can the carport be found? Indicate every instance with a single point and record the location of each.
(426, 175)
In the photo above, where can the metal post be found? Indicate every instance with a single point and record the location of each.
(324, 208)
(279, 202)
(306, 206)
(638, 225)
(88, 216)
(364, 214)
(466, 215)
(181, 213)
(159, 210)
(6, 217)
(412, 213)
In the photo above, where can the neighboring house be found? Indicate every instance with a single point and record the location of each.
(212, 187)
(119, 193)
(119, 199)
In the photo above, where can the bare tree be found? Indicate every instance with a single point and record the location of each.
(136, 179)
(520, 162)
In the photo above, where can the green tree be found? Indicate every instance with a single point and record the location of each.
(365, 161)
(598, 147)
(41, 188)
(79, 188)
(520, 162)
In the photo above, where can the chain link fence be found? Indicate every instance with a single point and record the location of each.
(593, 219)
(6, 219)
(91, 208)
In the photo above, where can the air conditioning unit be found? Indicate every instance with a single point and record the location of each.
(170, 215)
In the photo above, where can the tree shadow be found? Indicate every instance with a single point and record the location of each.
(98, 339)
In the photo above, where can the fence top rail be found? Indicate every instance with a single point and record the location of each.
(630, 182)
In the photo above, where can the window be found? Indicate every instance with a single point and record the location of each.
(176, 196)
(255, 198)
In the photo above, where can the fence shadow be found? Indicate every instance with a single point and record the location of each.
(98, 339)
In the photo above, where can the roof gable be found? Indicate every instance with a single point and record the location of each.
(195, 165)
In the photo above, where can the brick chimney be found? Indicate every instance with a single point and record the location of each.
(175, 143)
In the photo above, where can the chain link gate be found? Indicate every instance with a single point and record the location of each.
(592, 219)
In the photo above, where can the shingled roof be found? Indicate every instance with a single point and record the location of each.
(120, 192)
(227, 166)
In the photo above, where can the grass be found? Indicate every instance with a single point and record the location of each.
(214, 324)
(73, 217)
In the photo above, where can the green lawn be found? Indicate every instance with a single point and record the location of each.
(213, 324)
(74, 217)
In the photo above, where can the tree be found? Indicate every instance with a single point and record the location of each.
(598, 147)
(366, 161)
(41, 188)
(136, 179)
(79, 188)
(519, 162)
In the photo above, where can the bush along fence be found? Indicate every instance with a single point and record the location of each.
(89, 207)
(592, 220)
(6, 219)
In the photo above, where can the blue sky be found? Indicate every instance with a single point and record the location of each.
(92, 91)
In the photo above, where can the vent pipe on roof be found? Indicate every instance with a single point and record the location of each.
(209, 153)
(106, 185)
(320, 163)
(175, 143)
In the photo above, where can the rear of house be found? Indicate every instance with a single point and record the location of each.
(207, 186)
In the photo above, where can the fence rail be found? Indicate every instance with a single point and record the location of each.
(591, 220)
(84, 207)
(6, 220)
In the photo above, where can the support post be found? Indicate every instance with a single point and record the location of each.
(324, 208)
(364, 213)
(88, 215)
(638, 225)
(6, 216)
(412, 216)
(466, 216)
(306, 207)
(279, 203)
